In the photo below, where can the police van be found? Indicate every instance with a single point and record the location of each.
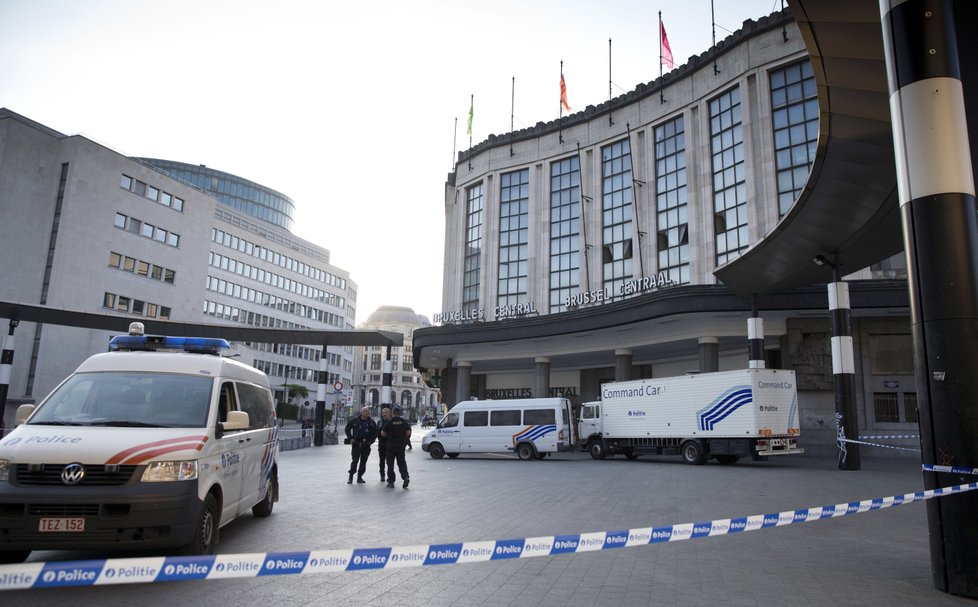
(155, 444)
(530, 427)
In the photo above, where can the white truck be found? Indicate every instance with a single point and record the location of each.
(725, 415)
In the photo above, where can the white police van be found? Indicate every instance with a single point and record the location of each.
(530, 427)
(155, 444)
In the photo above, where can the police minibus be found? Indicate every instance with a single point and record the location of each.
(531, 427)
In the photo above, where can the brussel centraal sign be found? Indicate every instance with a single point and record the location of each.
(571, 302)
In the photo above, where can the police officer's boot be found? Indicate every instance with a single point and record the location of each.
(382, 477)
(360, 478)
(349, 481)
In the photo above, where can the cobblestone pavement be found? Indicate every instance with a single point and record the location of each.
(876, 558)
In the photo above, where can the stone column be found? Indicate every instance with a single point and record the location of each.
(463, 381)
(623, 365)
(708, 349)
(541, 380)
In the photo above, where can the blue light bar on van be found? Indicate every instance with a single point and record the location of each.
(202, 345)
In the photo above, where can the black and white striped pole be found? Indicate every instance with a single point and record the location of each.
(321, 379)
(755, 338)
(936, 182)
(6, 365)
(843, 372)
(386, 393)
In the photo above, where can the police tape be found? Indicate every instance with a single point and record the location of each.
(859, 442)
(950, 469)
(224, 566)
(886, 436)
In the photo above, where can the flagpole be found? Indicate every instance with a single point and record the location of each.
(454, 144)
(512, 111)
(610, 121)
(713, 24)
(471, 113)
(662, 98)
(560, 107)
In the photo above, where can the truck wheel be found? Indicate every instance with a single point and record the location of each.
(264, 507)
(630, 453)
(692, 453)
(436, 451)
(14, 556)
(726, 460)
(525, 451)
(205, 536)
(596, 449)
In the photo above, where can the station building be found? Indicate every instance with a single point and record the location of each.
(87, 229)
(583, 250)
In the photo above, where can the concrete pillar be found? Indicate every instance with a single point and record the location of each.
(463, 381)
(6, 365)
(755, 342)
(708, 351)
(541, 380)
(936, 183)
(623, 365)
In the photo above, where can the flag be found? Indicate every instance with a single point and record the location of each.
(563, 94)
(666, 52)
(471, 111)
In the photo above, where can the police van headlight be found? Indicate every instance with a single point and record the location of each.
(160, 472)
(4, 469)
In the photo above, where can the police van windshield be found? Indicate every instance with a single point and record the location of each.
(128, 399)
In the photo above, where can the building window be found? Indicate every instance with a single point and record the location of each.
(114, 260)
(122, 303)
(886, 407)
(129, 264)
(514, 215)
(164, 313)
(729, 188)
(152, 193)
(565, 231)
(672, 238)
(375, 361)
(120, 220)
(891, 267)
(126, 182)
(142, 268)
(108, 300)
(910, 407)
(794, 113)
(473, 249)
(616, 216)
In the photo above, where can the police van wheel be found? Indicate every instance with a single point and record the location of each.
(596, 449)
(692, 453)
(265, 506)
(205, 536)
(436, 451)
(525, 451)
(14, 556)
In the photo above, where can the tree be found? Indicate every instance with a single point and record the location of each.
(297, 390)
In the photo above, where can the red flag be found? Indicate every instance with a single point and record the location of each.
(666, 52)
(563, 94)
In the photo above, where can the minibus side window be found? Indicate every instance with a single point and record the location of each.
(504, 418)
(539, 417)
(256, 402)
(449, 421)
(476, 418)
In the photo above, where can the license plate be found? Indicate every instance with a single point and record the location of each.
(778, 442)
(61, 525)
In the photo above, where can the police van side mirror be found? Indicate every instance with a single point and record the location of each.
(23, 412)
(237, 420)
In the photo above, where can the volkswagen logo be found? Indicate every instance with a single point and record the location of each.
(72, 474)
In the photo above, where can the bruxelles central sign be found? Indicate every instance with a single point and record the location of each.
(587, 298)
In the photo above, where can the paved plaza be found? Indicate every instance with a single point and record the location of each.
(876, 558)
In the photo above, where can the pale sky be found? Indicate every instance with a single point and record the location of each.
(348, 110)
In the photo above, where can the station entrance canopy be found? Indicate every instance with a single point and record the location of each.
(849, 211)
(87, 320)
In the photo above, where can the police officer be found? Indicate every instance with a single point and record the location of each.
(361, 431)
(385, 416)
(397, 431)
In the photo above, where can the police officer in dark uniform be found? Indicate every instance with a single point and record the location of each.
(361, 432)
(385, 416)
(397, 432)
